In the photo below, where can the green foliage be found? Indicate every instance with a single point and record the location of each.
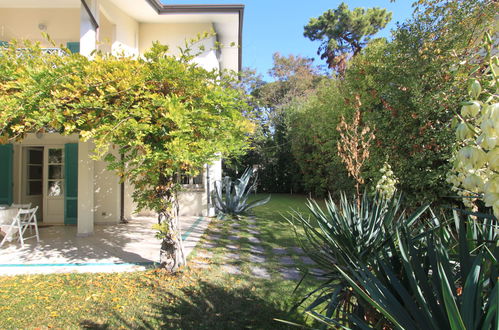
(423, 283)
(408, 88)
(337, 237)
(413, 85)
(236, 194)
(313, 137)
(475, 171)
(162, 114)
(295, 78)
(406, 272)
(343, 32)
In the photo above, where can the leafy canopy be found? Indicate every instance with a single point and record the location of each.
(162, 114)
(343, 31)
(294, 77)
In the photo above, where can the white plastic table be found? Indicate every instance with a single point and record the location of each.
(6, 217)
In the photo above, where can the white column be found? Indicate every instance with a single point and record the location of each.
(85, 190)
(214, 173)
(88, 34)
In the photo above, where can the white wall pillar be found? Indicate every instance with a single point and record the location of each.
(85, 190)
(88, 34)
(214, 173)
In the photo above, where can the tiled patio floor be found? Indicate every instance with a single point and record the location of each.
(123, 247)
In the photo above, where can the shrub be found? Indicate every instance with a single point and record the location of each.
(385, 269)
(476, 164)
(236, 194)
(425, 284)
(339, 236)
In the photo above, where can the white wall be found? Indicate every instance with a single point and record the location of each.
(126, 29)
(175, 35)
(86, 197)
(191, 201)
(106, 194)
(107, 34)
(63, 24)
(215, 174)
(98, 191)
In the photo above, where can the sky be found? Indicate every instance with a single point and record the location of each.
(277, 26)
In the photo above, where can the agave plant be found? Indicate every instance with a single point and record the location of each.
(342, 235)
(232, 197)
(387, 270)
(438, 288)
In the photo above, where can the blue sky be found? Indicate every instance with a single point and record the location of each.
(277, 25)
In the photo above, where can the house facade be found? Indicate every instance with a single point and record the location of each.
(56, 172)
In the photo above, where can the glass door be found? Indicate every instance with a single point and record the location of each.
(55, 178)
(32, 189)
(54, 184)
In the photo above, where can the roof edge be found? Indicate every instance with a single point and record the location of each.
(186, 9)
(165, 9)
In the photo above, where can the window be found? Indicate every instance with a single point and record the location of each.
(35, 172)
(189, 181)
(55, 179)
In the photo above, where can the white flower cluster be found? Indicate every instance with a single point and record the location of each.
(476, 165)
(386, 185)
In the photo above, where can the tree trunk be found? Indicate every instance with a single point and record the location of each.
(171, 255)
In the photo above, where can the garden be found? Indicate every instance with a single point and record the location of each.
(362, 195)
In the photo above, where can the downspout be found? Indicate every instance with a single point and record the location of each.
(122, 198)
(122, 203)
(208, 200)
(89, 12)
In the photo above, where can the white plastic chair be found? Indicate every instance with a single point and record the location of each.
(24, 219)
(28, 220)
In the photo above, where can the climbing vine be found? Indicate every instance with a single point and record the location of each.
(162, 114)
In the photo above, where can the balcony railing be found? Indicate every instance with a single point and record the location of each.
(54, 51)
(45, 51)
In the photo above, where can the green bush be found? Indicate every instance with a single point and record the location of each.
(428, 283)
(408, 88)
(342, 235)
(386, 269)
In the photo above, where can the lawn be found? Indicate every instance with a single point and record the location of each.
(203, 295)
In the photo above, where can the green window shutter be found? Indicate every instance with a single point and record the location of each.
(71, 180)
(4, 43)
(74, 47)
(6, 175)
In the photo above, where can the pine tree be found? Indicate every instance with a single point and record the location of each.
(345, 32)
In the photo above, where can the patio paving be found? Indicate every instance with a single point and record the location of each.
(122, 247)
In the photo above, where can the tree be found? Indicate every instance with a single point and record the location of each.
(344, 32)
(295, 77)
(162, 114)
(409, 87)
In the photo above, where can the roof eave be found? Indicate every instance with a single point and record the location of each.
(163, 9)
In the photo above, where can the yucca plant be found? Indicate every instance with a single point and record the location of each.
(231, 197)
(386, 270)
(440, 286)
(342, 235)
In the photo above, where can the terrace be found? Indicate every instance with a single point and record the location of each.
(112, 248)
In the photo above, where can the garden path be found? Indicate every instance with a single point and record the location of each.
(236, 246)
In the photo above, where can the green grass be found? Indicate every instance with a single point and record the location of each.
(195, 298)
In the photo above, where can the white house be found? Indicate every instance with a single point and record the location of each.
(55, 172)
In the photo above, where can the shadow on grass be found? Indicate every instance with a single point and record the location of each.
(87, 324)
(208, 306)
